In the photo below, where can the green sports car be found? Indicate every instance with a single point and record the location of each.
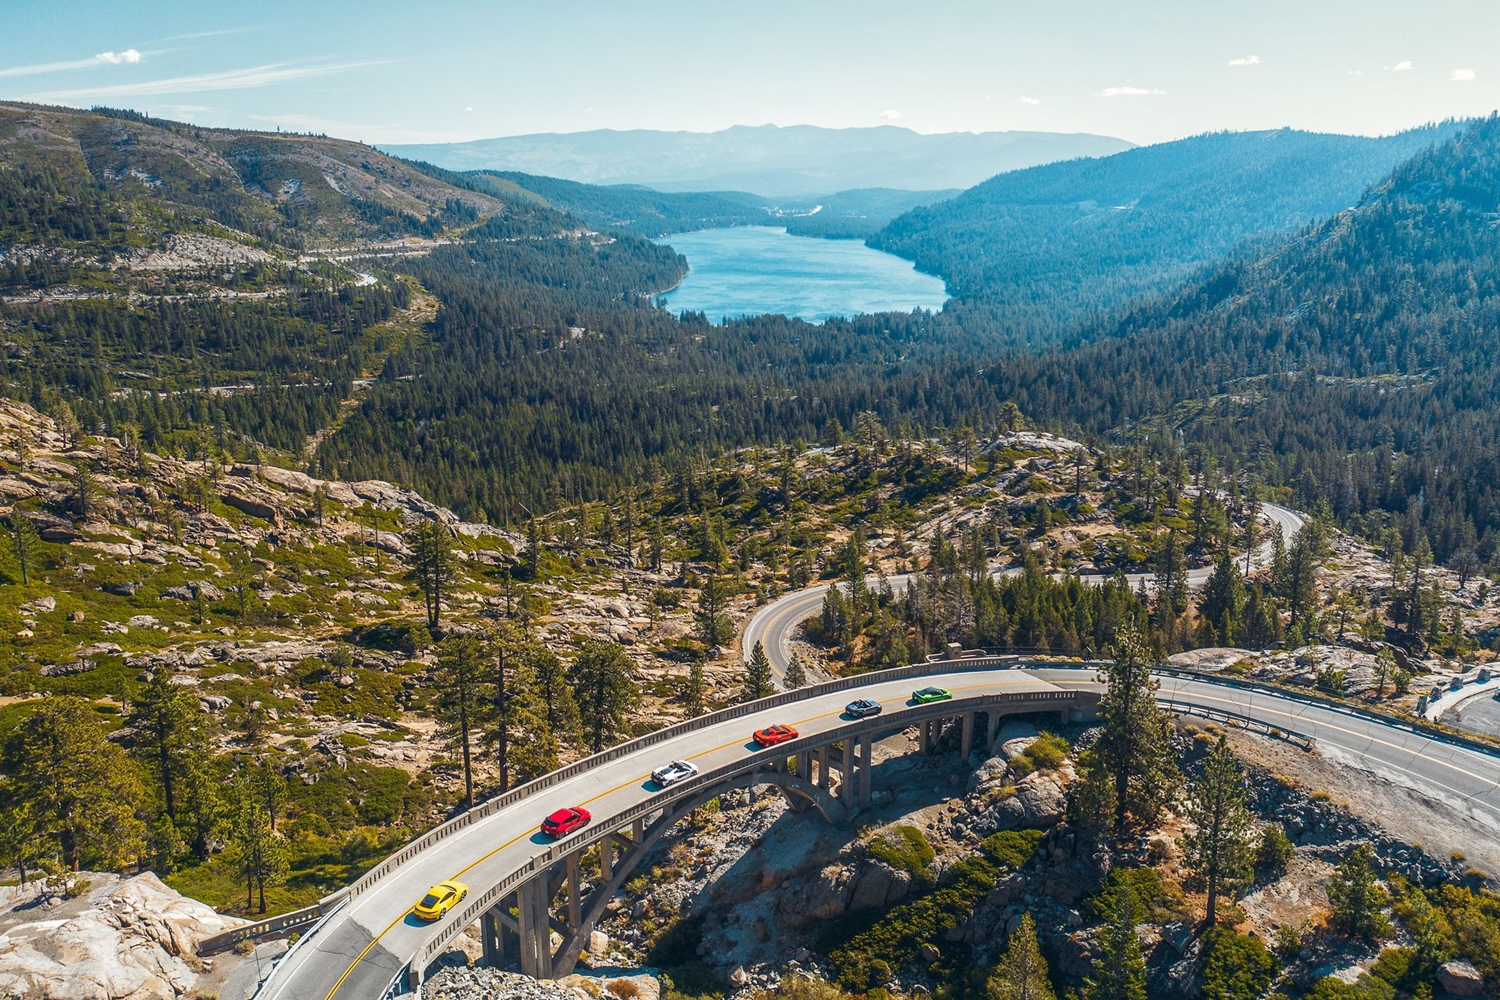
(924, 695)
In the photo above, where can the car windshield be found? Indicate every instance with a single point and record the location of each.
(429, 900)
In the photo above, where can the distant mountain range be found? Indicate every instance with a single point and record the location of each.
(796, 161)
(644, 211)
(1046, 246)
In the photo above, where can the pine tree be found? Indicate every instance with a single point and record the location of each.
(174, 738)
(796, 673)
(1119, 971)
(433, 565)
(83, 492)
(26, 542)
(693, 690)
(501, 717)
(711, 626)
(1134, 747)
(1223, 601)
(533, 557)
(1357, 898)
(758, 682)
(1221, 850)
(256, 853)
(84, 790)
(459, 678)
(1022, 971)
(558, 708)
(604, 684)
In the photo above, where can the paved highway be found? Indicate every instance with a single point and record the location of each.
(776, 623)
(365, 944)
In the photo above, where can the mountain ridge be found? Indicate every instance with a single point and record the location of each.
(772, 161)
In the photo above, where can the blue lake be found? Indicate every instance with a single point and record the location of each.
(751, 270)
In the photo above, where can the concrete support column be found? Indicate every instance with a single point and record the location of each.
(490, 938)
(536, 928)
(823, 781)
(606, 859)
(846, 771)
(994, 729)
(968, 738)
(866, 759)
(638, 830)
(804, 765)
(575, 902)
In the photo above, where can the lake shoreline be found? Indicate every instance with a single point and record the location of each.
(741, 271)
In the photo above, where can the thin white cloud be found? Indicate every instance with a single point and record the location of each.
(212, 34)
(1354, 72)
(130, 56)
(1245, 61)
(1461, 76)
(889, 115)
(1130, 92)
(371, 133)
(1033, 101)
(1404, 66)
(234, 79)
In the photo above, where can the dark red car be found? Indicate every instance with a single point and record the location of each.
(772, 735)
(565, 821)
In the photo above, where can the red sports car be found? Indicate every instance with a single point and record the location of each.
(772, 735)
(565, 821)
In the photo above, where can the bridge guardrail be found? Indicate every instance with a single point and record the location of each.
(1290, 694)
(317, 912)
(439, 939)
(498, 802)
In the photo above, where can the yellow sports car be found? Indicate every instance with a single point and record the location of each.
(440, 899)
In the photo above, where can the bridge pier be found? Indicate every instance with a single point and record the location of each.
(575, 915)
(499, 934)
(866, 760)
(968, 735)
(535, 922)
(994, 721)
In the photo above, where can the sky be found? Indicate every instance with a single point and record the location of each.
(387, 72)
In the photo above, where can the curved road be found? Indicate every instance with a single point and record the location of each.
(361, 947)
(776, 623)
(364, 945)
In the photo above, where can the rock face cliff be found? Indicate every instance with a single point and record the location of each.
(125, 940)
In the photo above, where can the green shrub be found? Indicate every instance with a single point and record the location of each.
(1159, 902)
(1275, 851)
(1012, 848)
(870, 957)
(1048, 752)
(903, 848)
(1365, 988)
(1235, 966)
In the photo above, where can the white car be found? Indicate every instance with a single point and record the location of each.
(670, 774)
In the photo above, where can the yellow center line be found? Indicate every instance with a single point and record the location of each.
(361, 958)
(624, 784)
(1329, 725)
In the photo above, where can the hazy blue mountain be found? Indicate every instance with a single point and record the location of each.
(1053, 243)
(860, 213)
(799, 160)
(637, 209)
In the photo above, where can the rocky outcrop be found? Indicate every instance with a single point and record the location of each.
(1460, 979)
(253, 507)
(842, 888)
(131, 942)
(998, 800)
(491, 984)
